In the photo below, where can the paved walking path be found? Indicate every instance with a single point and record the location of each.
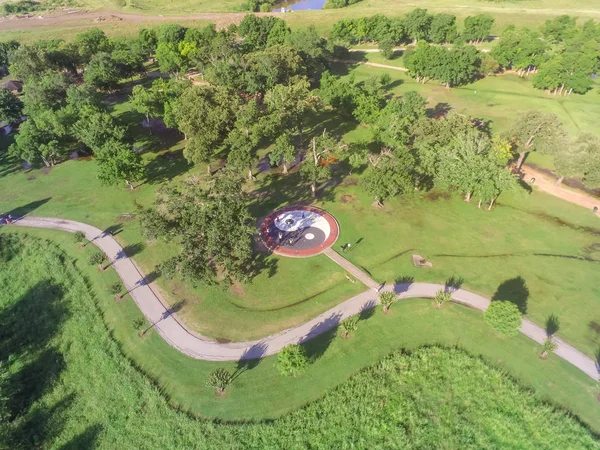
(175, 334)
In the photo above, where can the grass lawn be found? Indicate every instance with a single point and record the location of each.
(499, 99)
(95, 385)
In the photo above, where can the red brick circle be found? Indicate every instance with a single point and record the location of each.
(285, 251)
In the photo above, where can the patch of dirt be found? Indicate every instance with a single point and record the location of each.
(125, 218)
(223, 340)
(350, 182)
(436, 195)
(31, 178)
(347, 198)
(45, 170)
(237, 290)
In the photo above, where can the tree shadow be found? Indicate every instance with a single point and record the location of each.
(173, 309)
(166, 166)
(28, 208)
(403, 283)
(367, 310)
(264, 262)
(112, 230)
(324, 333)
(131, 250)
(515, 291)
(523, 184)
(438, 111)
(552, 325)
(86, 440)
(251, 358)
(453, 284)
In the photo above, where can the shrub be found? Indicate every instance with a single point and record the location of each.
(386, 47)
(386, 299)
(97, 259)
(548, 346)
(504, 317)
(79, 237)
(349, 325)
(115, 289)
(441, 297)
(291, 360)
(219, 379)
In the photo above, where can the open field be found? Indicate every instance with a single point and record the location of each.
(126, 17)
(94, 371)
(499, 99)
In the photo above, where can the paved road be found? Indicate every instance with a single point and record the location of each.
(175, 334)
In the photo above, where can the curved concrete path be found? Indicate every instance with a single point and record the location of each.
(200, 347)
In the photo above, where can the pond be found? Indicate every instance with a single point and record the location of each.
(299, 5)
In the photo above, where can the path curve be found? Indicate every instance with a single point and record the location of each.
(199, 347)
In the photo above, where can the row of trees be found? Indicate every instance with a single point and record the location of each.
(414, 26)
(562, 55)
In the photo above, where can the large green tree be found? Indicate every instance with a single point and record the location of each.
(389, 173)
(212, 225)
(102, 71)
(477, 28)
(119, 163)
(11, 108)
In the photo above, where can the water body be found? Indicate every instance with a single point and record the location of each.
(299, 5)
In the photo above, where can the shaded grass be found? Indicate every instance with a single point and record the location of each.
(260, 392)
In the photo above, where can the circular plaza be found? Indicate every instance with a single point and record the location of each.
(299, 231)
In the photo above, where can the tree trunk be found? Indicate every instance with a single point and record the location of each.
(491, 204)
(560, 180)
(128, 183)
(148, 122)
(208, 169)
(250, 176)
(479, 204)
(285, 168)
(46, 163)
(521, 159)
(468, 197)
(313, 188)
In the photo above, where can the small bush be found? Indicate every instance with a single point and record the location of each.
(386, 299)
(348, 326)
(79, 237)
(386, 47)
(219, 379)
(291, 360)
(138, 323)
(115, 288)
(504, 317)
(441, 297)
(23, 6)
(548, 346)
(96, 258)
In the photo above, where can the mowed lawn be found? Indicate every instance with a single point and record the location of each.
(258, 391)
(498, 99)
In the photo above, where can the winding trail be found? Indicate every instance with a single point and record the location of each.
(165, 322)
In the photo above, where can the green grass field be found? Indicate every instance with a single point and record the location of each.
(499, 99)
(76, 381)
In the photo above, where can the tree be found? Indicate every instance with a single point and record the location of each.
(170, 33)
(6, 50)
(83, 97)
(349, 325)
(441, 298)
(315, 168)
(283, 153)
(97, 128)
(548, 346)
(368, 99)
(102, 71)
(34, 144)
(442, 29)
(119, 163)
(212, 225)
(115, 289)
(387, 299)
(337, 93)
(91, 42)
(291, 360)
(219, 379)
(388, 174)
(504, 317)
(148, 102)
(477, 28)
(274, 65)
(97, 259)
(417, 24)
(206, 114)
(536, 131)
(79, 237)
(27, 61)
(44, 92)
(288, 106)
(520, 49)
(255, 31)
(560, 28)
(169, 59)
(11, 108)
(386, 48)
(393, 126)
(459, 66)
(588, 146)
(148, 40)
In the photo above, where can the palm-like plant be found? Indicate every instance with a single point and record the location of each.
(348, 326)
(548, 346)
(219, 379)
(97, 258)
(386, 299)
(79, 237)
(441, 297)
(115, 289)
